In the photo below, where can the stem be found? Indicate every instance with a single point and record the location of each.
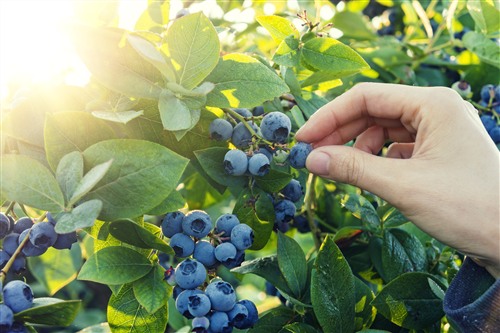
(10, 207)
(236, 115)
(310, 203)
(8, 265)
(41, 217)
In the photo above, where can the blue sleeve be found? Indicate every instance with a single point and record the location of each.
(472, 302)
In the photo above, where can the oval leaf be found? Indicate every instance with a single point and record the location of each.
(152, 291)
(69, 172)
(279, 27)
(82, 216)
(50, 311)
(292, 264)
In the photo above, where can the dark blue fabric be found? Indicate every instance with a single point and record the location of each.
(472, 302)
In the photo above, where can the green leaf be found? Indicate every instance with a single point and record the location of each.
(155, 17)
(211, 160)
(108, 56)
(50, 311)
(66, 132)
(122, 117)
(353, 25)
(151, 170)
(298, 116)
(82, 216)
(193, 46)
(69, 173)
(292, 264)
(401, 252)
(317, 78)
(130, 232)
(56, 268)
(485, 14)
(299, 328)
(309, 106)
(393, 218)
(410, 302)
(273, 320)
(174, 201)
(279, 27)
(152, 291)
(266, 267)
(486, 49)
(115, 265)
(361, 208)
(244, 82)
(174, 113)
(247, 212)
(126, 315)
(91, 178)
(99, 328)
(333, 302)
(152, 55)
(365, 312)
(287, 53)
(27, 181)
(330, 55)
(274, 181)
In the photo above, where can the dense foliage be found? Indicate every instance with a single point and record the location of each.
(150, 135)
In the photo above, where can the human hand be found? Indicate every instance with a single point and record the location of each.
(442, 169)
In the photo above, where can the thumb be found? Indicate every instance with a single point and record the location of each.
(379, 175)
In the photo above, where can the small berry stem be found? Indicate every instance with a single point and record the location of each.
(310, 203)
(10, 208)
(236, 115)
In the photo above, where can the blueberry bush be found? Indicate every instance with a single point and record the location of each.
(169, 194)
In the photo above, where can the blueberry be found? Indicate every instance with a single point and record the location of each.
(284, 211)
(19, 265)
(4, 258)
(462, 88)
(242, 236)
(221, 129)
(6, 318)
(17, 327)
(258, 165)
(190, 274)
(489, 122)
(280, 156)
(222, 295)
(301, 223)
(5, 225)
(64, 241)
(17, 295)
(51, 219)
(197, 223)
(298, 154)
(487, 91)
(199, 305)
(276, 127)
(242, 138)
(219, 323)
(10, 243)
(292, 191)
(243, 112)
(182, 302)
(497, 93)
(253, 314)
(281, 226)
(495, 134)
(182, 244)
(237, 315)
(225, 223)
(172, 224)
(268, 151)
(236, 262)
(204, 252)
(258, 111)
(200, 324)
(225, 252)
(30, 250)
(176, 291)
(271, 289)
(43, 234)
(22, 224)
(235, 162)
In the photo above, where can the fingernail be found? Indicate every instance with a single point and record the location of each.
(318, 162)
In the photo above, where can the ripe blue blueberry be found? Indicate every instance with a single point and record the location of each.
(64, 241)
(19, 265)
(284, 211)
(222, 295)
(204, 252)
(190, 274)
(293, 190)
(172, 223)
(17, 327)
(301, 223)
(237, 315)
(43, 234)
(219, 323)
(236, 262)
(268, 151)
(22, 224)
(242, 236)
(243, 112)
(6, 318)
(258, 165)
(200, 324)
(298, 155)
(497, 93)
(253, 314)
(10, 243)
(271, 290)
(17, 295)
(197, 223)
(177, 291)
(487, 91)
(30, 250)
(281, 226)
(276, 127)
(221, 129)
(182, 301)
(489, 122)
(199, 305)
(235, 162)
(5, 225)
(242, 138)
(182, 244)
(225, 223)
(4, 258)
(495, 134)
(225, 252)
(258, 111)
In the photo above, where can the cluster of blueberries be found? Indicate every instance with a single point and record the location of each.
(41, 236)
(284, 206)
(212, 307)
(490, 98)
(17, 297)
